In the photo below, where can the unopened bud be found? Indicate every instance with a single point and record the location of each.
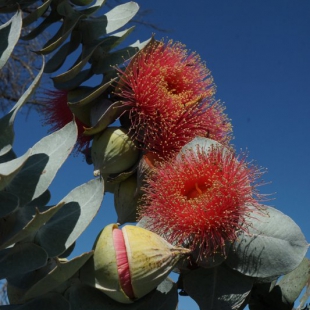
(113, 151)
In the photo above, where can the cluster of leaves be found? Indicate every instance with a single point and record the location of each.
(81, 28)
(24, 64)
(36, 239)
(20, 69)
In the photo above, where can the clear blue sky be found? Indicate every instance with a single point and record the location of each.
(259, 55)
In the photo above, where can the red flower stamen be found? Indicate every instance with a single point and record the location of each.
(57, 114)
(165, 77)
(167, 138)
(169, 95)
(202, 199)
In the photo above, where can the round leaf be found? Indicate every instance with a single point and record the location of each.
(7, 156)
(93, 8)
(103, 115)
(52, 18)
(109, 61)
(36, 14)
(46, 158)
(90, 96)
(24, 98)
(293, 283)
(23, 223)
(6, 134)
(121, 15)
(9, 33)
(21, 258)
(6, 122)
(59, 57)
(165, 297)
(84, 297)
(76, 81)
(93, 29)
(42, 200)
(8, 170)
(60, 37)
(49, 301)
(218, 288)
(63, 271)
(8, 203)
(20, 284)
(81, 206)
(274, 245)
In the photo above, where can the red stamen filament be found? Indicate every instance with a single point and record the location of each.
(198, 189)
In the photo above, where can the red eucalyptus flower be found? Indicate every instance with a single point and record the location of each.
(202, 199)
(164, 77)
(57, 114)
(169, 94)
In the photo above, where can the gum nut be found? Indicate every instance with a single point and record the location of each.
(126, 200)
(132, 261)
(113, 151)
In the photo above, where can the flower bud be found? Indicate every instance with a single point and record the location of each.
(126, 200)
(113, 151)
(132, 261)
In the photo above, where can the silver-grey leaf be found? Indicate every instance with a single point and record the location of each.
(81, 206)
(219, 288)
(47, 156)
(21, 258)
(274, 245)
(9, 35)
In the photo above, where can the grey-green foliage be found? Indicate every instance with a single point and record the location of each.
(274, 245)
(27, 223)
(281, 295)
(84, 297)
(78, 26)
(220, 288)
(36, 238)
(11, 30)
(7, 121)
(84, 29)
(28, 240)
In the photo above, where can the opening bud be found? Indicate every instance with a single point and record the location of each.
(132, 261)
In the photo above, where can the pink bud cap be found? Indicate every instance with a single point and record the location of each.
(122, 263)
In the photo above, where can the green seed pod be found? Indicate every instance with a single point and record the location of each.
(113, 151)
